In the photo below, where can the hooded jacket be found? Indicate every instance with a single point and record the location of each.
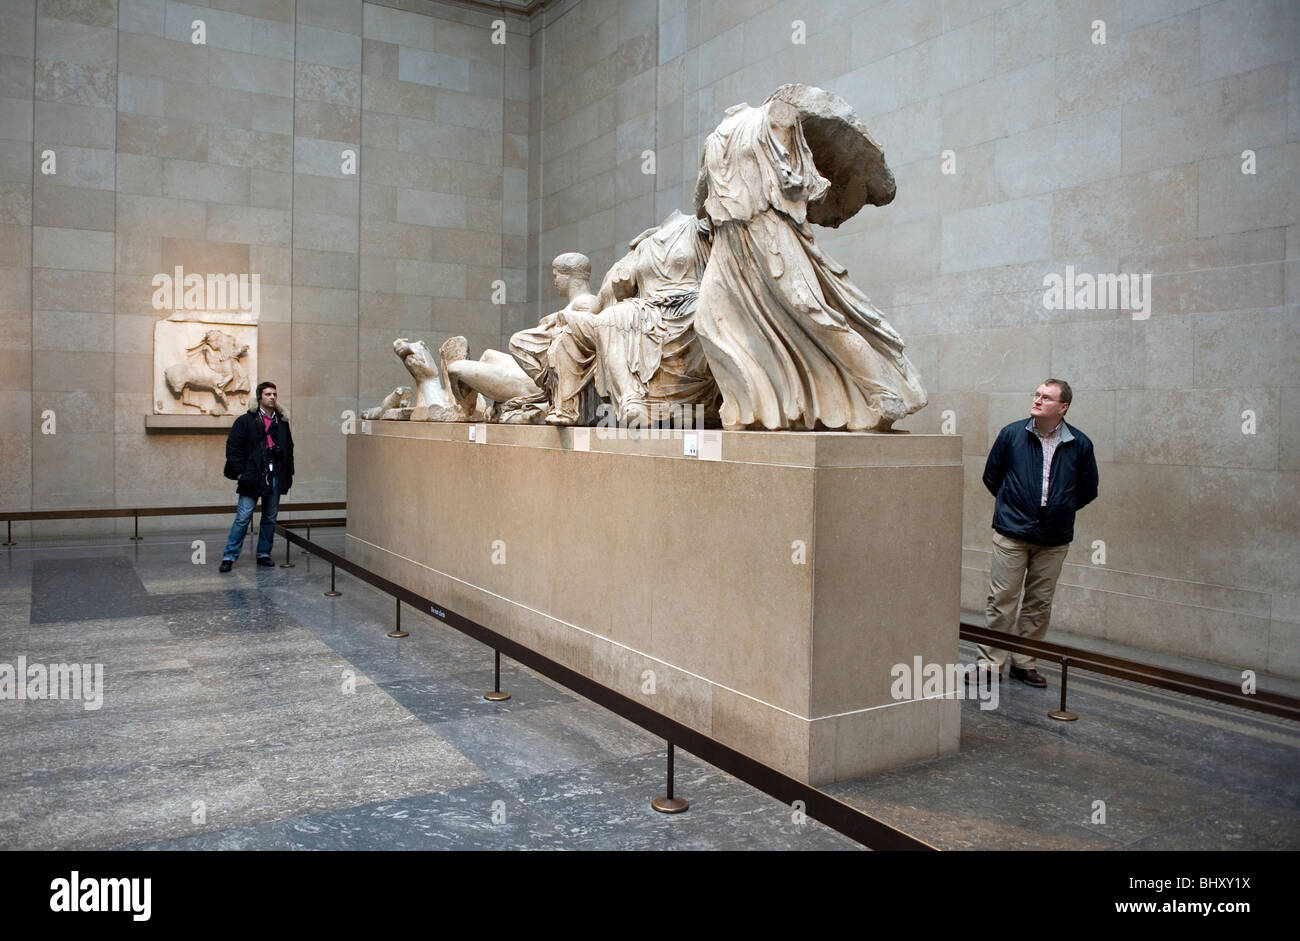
(1013, 473)
(247, 458)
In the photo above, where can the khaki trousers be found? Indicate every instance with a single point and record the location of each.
(1020, 565)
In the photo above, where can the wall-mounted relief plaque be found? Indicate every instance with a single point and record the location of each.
(205, 352)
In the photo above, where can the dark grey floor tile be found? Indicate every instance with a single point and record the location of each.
(83, 587)
(1239, 825)
(228, 612)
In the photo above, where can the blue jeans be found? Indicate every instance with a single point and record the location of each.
(244, 516)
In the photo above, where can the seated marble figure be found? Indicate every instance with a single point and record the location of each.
(631, 344)
(639, 350)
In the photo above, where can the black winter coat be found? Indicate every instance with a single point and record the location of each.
(247, 457)
(1014, 474)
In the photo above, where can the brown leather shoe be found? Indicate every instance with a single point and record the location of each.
(1029, 677)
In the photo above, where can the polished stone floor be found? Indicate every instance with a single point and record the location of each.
(248, 711)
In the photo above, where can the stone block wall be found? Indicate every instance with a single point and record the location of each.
(1021, 141)
(367, 160)
(1122, 156)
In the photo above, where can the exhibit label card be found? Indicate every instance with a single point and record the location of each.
(710, 445)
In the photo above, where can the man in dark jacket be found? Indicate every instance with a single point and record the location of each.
(259, 455)
(1041, 472)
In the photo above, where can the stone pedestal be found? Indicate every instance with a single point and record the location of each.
(762, 598)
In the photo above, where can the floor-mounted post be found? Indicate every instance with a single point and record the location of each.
(669, 804)
(1065, 715)
(397, 630)
(332, 593)
(495, 694)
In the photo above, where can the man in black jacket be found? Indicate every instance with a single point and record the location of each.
(259, 455)
(1041, 472)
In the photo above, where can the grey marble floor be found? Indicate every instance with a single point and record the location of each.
(248, 711)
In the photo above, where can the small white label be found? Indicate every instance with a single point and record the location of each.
(710, 445)
(473, 430)
(481, 436)
(365, 427)
(582, 439)
(689, 448)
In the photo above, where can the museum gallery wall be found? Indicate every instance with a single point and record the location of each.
(1037, 148)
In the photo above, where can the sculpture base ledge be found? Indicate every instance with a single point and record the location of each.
(764, 598)
(188, 424)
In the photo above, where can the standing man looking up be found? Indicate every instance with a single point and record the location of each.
(1041, 472)
(259, 455)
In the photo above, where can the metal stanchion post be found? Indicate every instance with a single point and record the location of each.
(669, 804)
(137, 537)
(1065, 715)
(286, 564)
(304, 551)
(495, 694)
(397, 631)
(9, 527)
(332, 593)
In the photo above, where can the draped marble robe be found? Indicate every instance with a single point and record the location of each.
(791, 341)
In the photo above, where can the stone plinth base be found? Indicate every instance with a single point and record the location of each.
(189, 424)
(762, 598)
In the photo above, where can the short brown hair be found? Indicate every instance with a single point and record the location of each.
(1066, 393)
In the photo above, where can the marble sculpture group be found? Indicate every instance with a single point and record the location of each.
(736, 309)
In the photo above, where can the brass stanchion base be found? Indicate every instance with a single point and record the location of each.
(1065, 715)
(287, 565)
(332, 593)
(8, 543)
(136, 538)
(496, 695)
(669, 805)
(398, 634)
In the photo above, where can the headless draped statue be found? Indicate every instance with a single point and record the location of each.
(792, 343)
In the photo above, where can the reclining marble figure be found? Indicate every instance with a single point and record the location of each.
(435, 399)
(498, 387)
(452, 387)
(395, 401)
